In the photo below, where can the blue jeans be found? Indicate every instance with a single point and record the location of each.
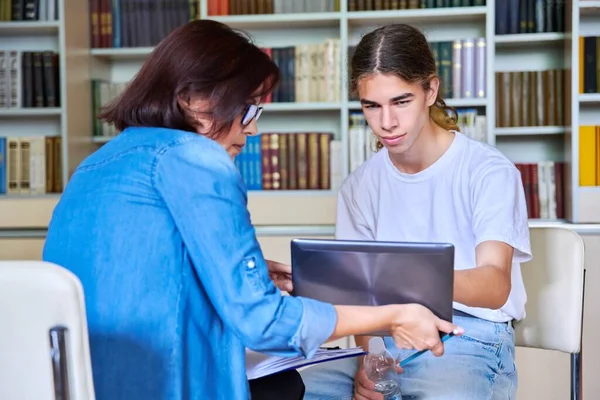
(478, 365)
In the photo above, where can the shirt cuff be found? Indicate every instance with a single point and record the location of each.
(316, 327)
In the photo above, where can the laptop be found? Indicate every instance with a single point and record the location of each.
(370, 273)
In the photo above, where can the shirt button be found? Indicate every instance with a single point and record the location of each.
(251, 264)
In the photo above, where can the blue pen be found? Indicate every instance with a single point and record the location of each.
(418, 353)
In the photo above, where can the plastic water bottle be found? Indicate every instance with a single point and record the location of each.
(380, 367)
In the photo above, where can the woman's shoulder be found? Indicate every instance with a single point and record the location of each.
(163, 139)
(194, 149)
(151, 143)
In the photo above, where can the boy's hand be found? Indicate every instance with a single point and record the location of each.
(281, 275)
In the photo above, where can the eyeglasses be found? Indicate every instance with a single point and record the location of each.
(251, 112)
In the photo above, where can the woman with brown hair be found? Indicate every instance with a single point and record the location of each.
(155, 224)
(431, 183)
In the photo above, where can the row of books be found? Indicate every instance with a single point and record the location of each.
(30, 165)
(309, 72)
(472, 123)
(589, 155)
(589, 64)
(529, 16)
(29, 10)
(103, 92)
(530, 98)
(461, 66)
(249, 7)
(372, 5)
(29, 79)
(544, 186)
(291, 161)
(135, 23)
(362, 142)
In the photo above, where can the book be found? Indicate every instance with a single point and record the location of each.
(261, 364)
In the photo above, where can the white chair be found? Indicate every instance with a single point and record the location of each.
(44, 350)
(554, 281)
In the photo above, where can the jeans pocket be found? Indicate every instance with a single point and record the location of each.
(485, 334)
(492, 347)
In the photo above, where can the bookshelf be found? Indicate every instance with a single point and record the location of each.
(44, 61)
(535, 50)
(585, 110)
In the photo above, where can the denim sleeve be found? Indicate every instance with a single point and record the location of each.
(207, 199)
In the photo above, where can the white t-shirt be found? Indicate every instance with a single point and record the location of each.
(471, 194)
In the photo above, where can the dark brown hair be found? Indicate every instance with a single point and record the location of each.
(401, 50)
(201, 59)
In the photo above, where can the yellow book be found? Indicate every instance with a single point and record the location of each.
(587, 155)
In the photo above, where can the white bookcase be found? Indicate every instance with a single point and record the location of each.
(518, 52)
(278, 30)
(585, 109)
(80, 64)
(67, 36)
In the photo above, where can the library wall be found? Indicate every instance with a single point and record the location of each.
(521, 80)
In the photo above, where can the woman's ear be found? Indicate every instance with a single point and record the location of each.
(195, 110)
(431, 94)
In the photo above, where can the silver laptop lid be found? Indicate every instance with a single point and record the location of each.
(349, 272)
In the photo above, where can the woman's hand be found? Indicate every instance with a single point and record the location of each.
(281, 275)
(416, 327)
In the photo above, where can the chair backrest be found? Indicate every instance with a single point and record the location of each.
(554, 283)
(39, 302)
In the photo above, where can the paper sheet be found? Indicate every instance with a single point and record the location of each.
(260, 364)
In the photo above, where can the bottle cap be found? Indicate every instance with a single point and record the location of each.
(376, 345)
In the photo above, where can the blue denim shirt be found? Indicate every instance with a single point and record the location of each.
(155, 225)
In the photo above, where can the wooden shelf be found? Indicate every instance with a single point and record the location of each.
(529, 39)
(447, 15)
(101, 139)
(292, 208)
(457, 103)
(530, 130)
(475, 102)
(280, 21)
(588, 7)
(18, 28)
(303, 207)
(302, 106)
(127, 53)
(590, 189)
(30, 112)
(26, 211)
(589, 98)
